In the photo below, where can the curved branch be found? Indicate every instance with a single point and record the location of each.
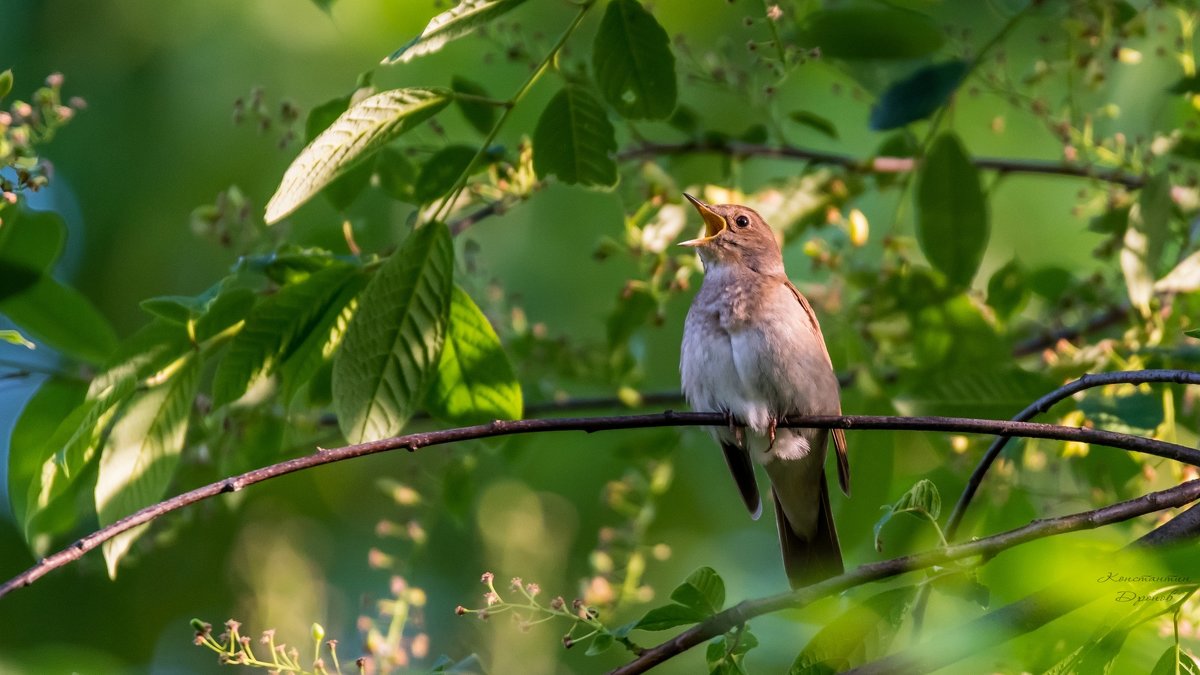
(724, 621)
(413, 442)
(873, 164)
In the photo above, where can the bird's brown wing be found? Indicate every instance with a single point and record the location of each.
(743, 475)
(839, 435)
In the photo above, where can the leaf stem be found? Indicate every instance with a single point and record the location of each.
(508, 108)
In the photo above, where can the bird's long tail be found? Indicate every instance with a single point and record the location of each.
(808, 561)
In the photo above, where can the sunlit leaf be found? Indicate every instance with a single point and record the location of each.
(322, 341)
(343, 190)
(918, 95)
(574, 140)
(859, 635)
(452, 24)
(6, 82)
(632, 59)
(141, 454)
(871, 32)
(474, 382)
(922, 500)
(952, 213)
(1175, 661)
(273, 330)
(392, 346)
(480, 115)
(1144, 240)
(441, 171)
(15, 338)
(353, 137)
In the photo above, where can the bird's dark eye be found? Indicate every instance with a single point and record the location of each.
(742, 221)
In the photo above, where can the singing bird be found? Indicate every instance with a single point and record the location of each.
(752, 348)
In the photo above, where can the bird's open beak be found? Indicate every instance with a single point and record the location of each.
(713, 222)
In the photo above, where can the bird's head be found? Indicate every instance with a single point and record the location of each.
(735, 235)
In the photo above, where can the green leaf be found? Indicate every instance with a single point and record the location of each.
(452, 24)
(317, 348)
(6, 82)
(574, 140)
(918, 95)
(62, 318)
(632, 59)
(441, 171)
(231, 305)
(703, 591)
(15, 338)
(860, 635)
(474, 381)
(1008, 289)
(921, 500)
(273, 330)
(1195, 332)
(178, 309)
(630, 314)
(670, 616)
(1137, 413)
(141, 454)
(30, 242)
(392, 346)
(28, 450)
(815, 122)
(952, 214)
(353, 137)
(1154, 204)
(1188, 84)
(343, 190)
(974, 390)
(871, 32)
(478, 114)
(1184, 278)
(396, 175)
(1175, 661)
(600, 644)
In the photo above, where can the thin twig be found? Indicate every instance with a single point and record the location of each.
(722, 622)
(873, 164)
(412, 442)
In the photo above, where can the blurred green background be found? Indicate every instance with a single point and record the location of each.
(157, 140)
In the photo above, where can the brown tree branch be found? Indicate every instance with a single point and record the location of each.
(873, 164)
(413, 442)
(726, 620)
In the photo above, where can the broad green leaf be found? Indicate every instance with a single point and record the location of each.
(922, 500)
(30, 242)
(6, 82)
(860, 635)
(918, 95)
(391, 348)
(871, 32)
(480, 115)
(231, 306)
(574, 140)
(71, 449)
(15, 338)
(353, 137)
(726, 653)
(670, 616)
(62, 318)
(1185, 85)
(703, 591)
(815, 122)
(396, 175)
(452, 24)
(1008, 289)
(141, 454)
(178, 309)
(318, 347)
(1175, 661)
(600, 644)
(273, 329)
(343, 190)
(40, 417)
(441, 171)
(474, 381)
(1195, 332)
(952, 213)
(632, 59)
